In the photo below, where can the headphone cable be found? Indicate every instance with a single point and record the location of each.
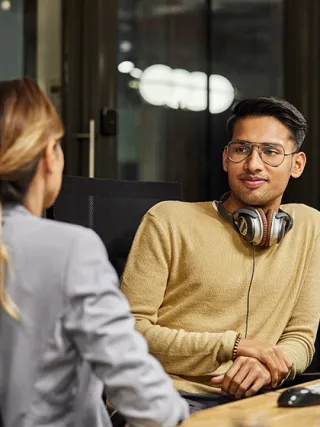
(249, 290)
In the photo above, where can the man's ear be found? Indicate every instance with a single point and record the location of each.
(225, 160)
(299, 163)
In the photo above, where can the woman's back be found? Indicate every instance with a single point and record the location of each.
(75, 334)
(36, 350)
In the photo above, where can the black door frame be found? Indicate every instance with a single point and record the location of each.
(30, 15)
(89, 83)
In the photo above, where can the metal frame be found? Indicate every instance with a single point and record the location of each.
(89, 85)
(30, 14)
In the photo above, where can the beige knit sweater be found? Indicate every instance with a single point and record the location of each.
(187, 280)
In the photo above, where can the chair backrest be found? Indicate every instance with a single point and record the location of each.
(113, 209)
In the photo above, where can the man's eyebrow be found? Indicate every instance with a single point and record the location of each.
(243, 141)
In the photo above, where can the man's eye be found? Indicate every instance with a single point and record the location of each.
(242, 150)
(271, 152)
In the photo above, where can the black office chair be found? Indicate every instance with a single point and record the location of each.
(113, 209)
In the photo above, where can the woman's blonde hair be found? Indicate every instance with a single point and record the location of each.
(28, 120)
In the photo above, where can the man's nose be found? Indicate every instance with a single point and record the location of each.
(254, 161)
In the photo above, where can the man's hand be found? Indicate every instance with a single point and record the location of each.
(244, 378)
(269, 355)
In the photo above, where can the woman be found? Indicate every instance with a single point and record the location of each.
(65, 328)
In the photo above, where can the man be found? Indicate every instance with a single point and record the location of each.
(223, 311)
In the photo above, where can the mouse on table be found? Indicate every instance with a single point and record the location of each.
(298, 397)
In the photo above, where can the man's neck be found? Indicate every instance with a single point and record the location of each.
(232, 203)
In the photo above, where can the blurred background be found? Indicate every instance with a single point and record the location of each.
(156, 79)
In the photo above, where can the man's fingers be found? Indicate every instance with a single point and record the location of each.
(237, 381)
(230, 374)
(217, 380)
(256, 386)
(282, 364)
(245, 385)
(283, 369)
(272, 363)
(247, 378)
(287, 366)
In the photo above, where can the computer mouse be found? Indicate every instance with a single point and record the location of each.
(298, 397)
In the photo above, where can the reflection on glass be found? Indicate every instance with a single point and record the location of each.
(49, 49)
(161, 85)
(11, 39)
(161, 75)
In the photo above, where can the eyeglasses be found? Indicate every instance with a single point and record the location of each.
(272, 154)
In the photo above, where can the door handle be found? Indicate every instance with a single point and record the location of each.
(91, 136)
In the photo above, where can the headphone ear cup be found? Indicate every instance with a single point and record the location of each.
(245, 227)
(279, 223)
(251, 224)
(289, 222)
(264, 224)
(282, 230)
(285, 223)
(273, 228)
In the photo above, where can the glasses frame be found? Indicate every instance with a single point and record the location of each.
(258, 144)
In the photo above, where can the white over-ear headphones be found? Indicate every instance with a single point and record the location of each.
(256, 226)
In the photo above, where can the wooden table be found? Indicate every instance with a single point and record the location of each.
(263, 407)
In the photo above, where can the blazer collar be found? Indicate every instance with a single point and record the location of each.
(11, 209)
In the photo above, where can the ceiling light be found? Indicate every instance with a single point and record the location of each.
(5, 5)
(126, 67)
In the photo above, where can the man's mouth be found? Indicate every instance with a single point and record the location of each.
(253, 182)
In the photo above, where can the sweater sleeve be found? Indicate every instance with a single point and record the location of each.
(297, 339)
(144, 284)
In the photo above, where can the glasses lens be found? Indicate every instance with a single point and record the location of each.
(238, 151)
(272, 154)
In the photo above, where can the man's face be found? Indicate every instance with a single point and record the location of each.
(251, 181)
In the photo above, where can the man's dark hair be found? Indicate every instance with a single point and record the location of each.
(270, 106)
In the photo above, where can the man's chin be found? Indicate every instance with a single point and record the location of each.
(253, 200)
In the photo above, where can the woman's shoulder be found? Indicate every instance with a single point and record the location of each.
(66, 233)
(42, 234)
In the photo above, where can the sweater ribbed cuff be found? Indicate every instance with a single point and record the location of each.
(227, 344)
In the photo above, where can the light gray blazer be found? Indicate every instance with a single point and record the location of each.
(76, 334)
